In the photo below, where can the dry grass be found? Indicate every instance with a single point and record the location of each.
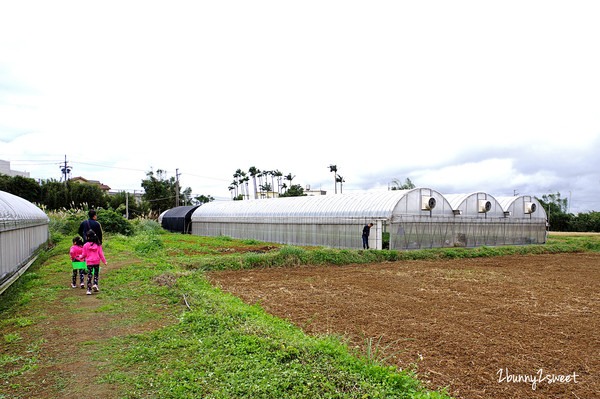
(572, 234)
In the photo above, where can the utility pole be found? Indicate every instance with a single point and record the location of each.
(65, 169)
(126, 205)
(176, 187)
(333, 168)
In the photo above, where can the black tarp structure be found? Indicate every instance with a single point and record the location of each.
(179, 219)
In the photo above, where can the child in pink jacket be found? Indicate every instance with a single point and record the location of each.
(92, 253)
(77, 260)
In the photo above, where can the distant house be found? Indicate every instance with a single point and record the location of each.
(312, 193)
(307, 191)
(96, 183)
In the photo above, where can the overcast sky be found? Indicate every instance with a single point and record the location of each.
(459, 96)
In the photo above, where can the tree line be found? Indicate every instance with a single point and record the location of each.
(264, 183)
(160, 194)
(559, 219)
(163, 192)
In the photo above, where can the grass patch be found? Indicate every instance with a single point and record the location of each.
(214, 345)
(223, 348)
(287, 256)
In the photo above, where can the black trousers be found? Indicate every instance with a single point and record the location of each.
(95, 271)
(81, 274)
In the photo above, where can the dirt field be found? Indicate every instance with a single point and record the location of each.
(484, 328)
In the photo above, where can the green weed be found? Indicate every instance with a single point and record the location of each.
(12, 337)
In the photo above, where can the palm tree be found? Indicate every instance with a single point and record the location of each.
(278, 175)
(333, 168)
(272, 173)
(253, 172)
(236, 180)
(260, 180)
(340, 180)
(243, 178)
(265, 188)
(290, 178)
(244, 182)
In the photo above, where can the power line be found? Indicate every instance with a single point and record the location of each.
(107, 166)
(59, 162)
(34, 162)
(204, 177)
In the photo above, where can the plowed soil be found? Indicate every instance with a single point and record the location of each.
(506, 327)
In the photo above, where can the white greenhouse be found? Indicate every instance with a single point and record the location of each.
(480, 220)
(23, 231)
(407, 219)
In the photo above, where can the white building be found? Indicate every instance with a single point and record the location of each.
(6, 170)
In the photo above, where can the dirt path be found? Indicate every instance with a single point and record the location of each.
(65, 338)
(477, 326)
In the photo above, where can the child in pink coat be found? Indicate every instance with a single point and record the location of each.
(92, 253)
(78, 262)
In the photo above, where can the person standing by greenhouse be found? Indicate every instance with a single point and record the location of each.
(365, 235)
(91, 224)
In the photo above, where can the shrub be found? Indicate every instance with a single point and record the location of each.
(114, 223)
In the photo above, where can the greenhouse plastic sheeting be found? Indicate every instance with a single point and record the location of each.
(334, 221)
(178, 220)
(16, 212)
(23, 230)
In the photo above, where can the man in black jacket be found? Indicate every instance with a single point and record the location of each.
(365, 235)
(91, 224)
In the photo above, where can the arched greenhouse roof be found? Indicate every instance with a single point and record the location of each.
(370, 205)
(13, 208)
(179, 212)
(517, 206)
(477, 203)
(178, 219)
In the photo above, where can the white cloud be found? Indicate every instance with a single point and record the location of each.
(467, 96)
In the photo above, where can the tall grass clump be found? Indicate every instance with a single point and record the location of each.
(290, 255)
(147, 243)
(65, 221)
(146, 225)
